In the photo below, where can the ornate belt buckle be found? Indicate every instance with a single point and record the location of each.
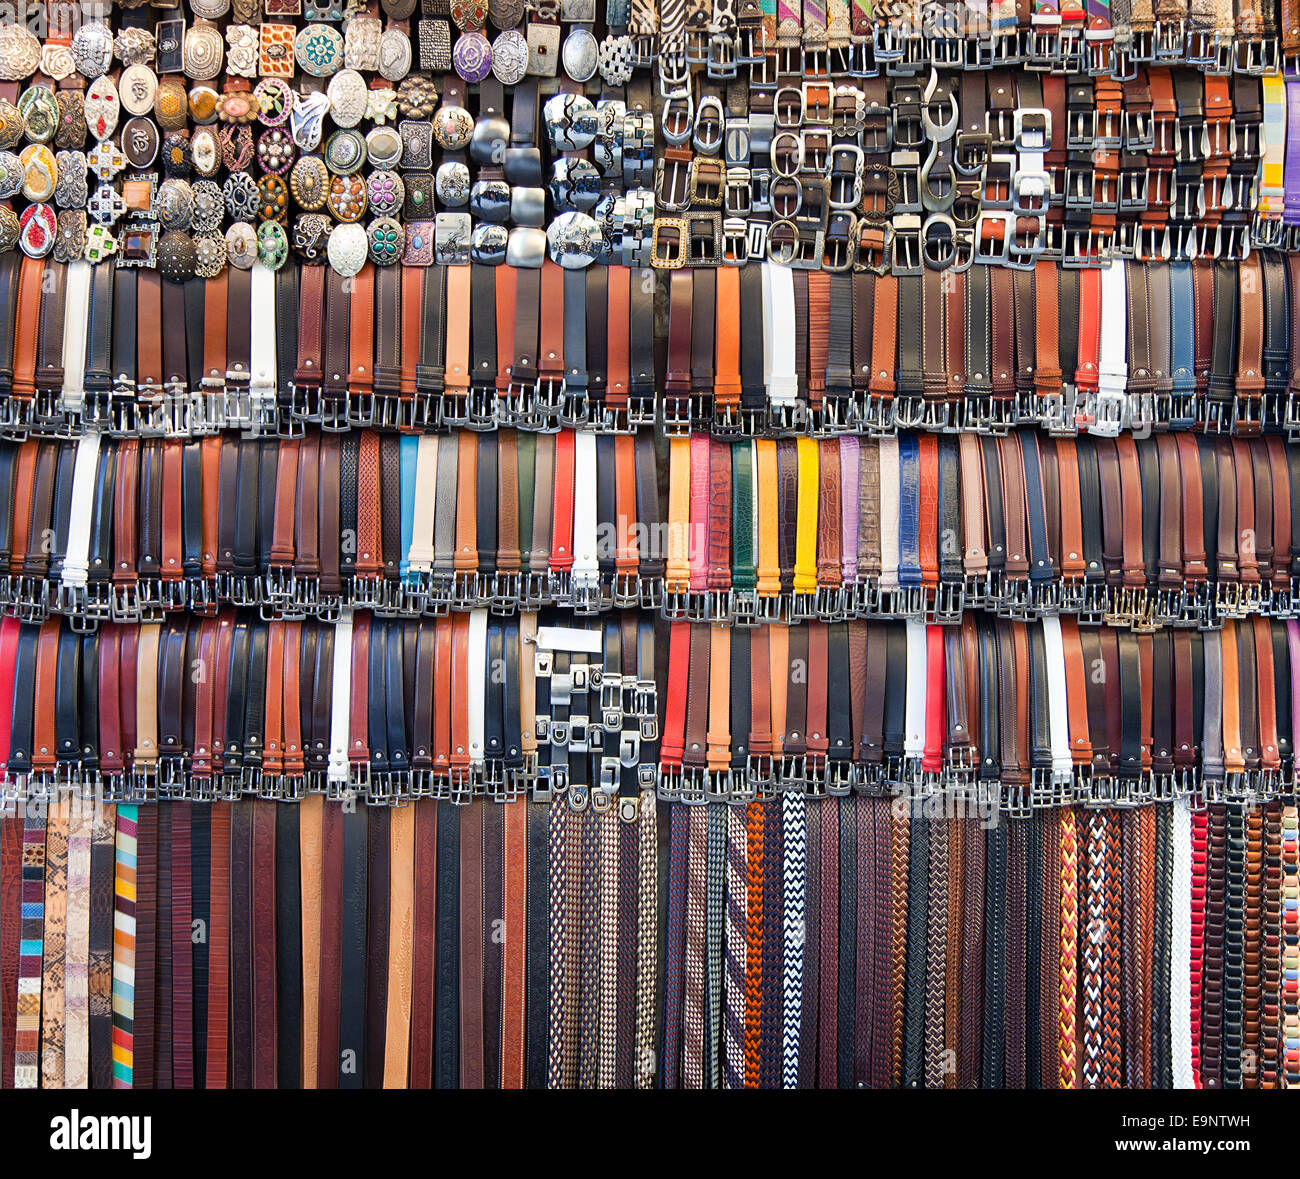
(844, 176)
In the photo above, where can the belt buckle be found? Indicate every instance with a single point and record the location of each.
(455, 405)
(770, 608)
(520, 404)
(792, 774)
(481, 407)
(305, 402)
(905, 247)
(889, 43)
(1169, 41)
(334, 414)
(693, 785)
(862, 60)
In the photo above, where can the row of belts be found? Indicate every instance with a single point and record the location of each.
(1019, 716)
(230, 706)
(400, 348)
(1176, 530)
(829, 943)
(344, 948)
(767, 350)
(103, 528)
(853, 944)
(753, 350)
(946, 171)
(848, 39)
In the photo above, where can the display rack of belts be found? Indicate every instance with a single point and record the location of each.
(650, 544)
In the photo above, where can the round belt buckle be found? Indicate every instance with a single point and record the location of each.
(140, 142)
(345, 152)
(318, 49)
(452, 183)
(309, 182)
(11, 175)
(347, 93)
(205, 151)
(174, 204)
(510, 57)
(347, 198)
(394, 55)
(487, 245)
(241, 245)
(170, 105)
(472, 56)
(176, 256)
(275, 101)
(12, 126)
(92, 49)
(275, 150)
(177, 156)
(385, 192)
(580, 55)
(209, 255)
(570, 121)
(272, 244)
(136, 89)
(384, 146)
(453, 127)
(241, 196)
(574, 240)
(273, 198)
(209, 206)
(386, 241)
(347, 249)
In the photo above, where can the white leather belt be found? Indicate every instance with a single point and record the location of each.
(85, 469)
(586, 566)
(262, 335)
(1112, 376)
(889, 513)
(420, 556)
(76, 321)
(341, 700)
(778, 334)
(1058, 717)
